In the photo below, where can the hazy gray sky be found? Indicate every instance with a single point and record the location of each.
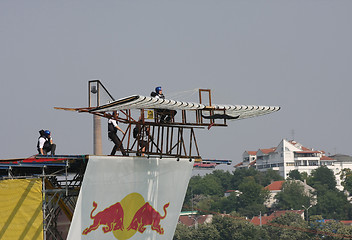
(294, 54)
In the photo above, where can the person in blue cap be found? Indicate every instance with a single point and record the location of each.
(165, 114)
(45, 143)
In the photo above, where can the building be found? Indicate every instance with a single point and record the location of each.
(193, 220)
(276, 187)
(291, 155)
(262, 220)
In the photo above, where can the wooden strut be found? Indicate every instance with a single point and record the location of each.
(161, 138)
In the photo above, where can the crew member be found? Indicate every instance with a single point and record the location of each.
(45, 143)
(142, 133)
(165, 114)
(112, 130)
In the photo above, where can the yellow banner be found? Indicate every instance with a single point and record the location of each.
(21, 215)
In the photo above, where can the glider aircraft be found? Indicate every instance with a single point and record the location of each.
(169, 138)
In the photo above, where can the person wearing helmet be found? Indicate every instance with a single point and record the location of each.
(158, 93)
(45, 143)
(165, 114)
(112, 130)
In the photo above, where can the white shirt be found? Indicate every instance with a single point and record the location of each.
(113, 122)
(42, 140)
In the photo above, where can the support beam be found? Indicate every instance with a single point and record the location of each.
(97, 142)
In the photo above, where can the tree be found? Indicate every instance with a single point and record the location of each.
(240, 175)
(346, 177)
(209, 185)
(225, 204)
(292, 196)
(236, 228)
(262, 178)
(224, 178)
(252, 192)
(332, 204)
(182, 232)
(290, 226)
(322, 176)
(206, 232)
(331, 229)
(265, 178)
(295, 175)
(253, 196)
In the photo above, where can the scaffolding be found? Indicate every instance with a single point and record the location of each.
(61, 177)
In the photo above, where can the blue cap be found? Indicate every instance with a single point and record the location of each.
(157, 89)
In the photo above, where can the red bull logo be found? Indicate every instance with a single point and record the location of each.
(110, 218)
(133, 212)
(145, 216)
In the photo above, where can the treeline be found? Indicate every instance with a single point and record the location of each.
(206, 195)
(286, 227)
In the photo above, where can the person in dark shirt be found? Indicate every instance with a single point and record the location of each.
(112, 130)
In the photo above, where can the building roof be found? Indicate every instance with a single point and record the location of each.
(190, 219)
(252, 163)
(346, 222)
(252, 152)
(308, 151)
(266, 219)
(267, 150)
(342, 158)
(275, 186)
(239, 164)
(305, 149)
(326, 158)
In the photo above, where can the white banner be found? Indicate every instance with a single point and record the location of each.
(130, 198)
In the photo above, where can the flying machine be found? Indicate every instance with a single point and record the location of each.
(69, 188)
(173, 138)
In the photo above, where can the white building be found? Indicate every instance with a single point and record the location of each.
(291, 155)
(276, 187)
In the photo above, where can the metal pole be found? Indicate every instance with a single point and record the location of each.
(97, 142)
(260, 218)
(307, 211)
(44, 205)
(97, 135)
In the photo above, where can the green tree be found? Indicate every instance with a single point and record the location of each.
(346, 177)
(332, 204)
(331, 230)
(252, 192)
(206, 232)
(231, 228)
(226, 204)
(224, 178)
(292, 196)
(208, 185)
(241, 174)
(290, 226)
(322, 176)
(183, 232)
(265, 178)
(295, 175)
(253, 196)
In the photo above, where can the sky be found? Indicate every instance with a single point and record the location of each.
(292, 54)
